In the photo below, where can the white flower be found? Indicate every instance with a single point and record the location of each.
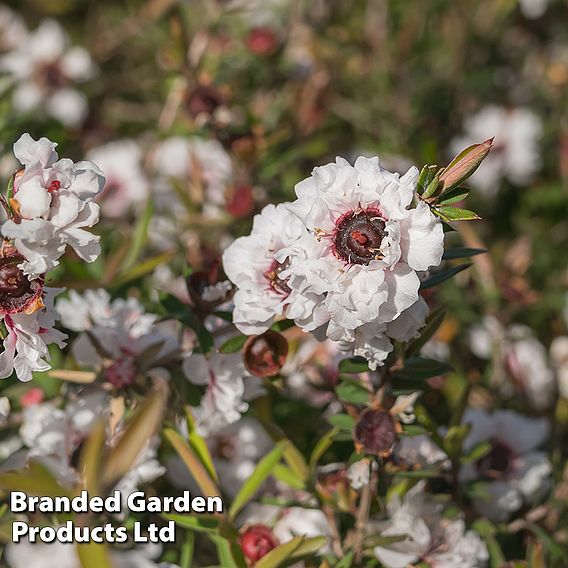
(439, 542)
(4, 409)
(515, 470)
(263, 289)
(521, 361)
(224, 398)
(533, 9)
(25, 347)
(364, 250)
(45, 70)
(359, 473)
(13, 30)
(126, 183)
(236, 449)
(27, 555)
(54, 199)
(52, 435)
(559, 357)
(197, 163)
(128, 340)
(515, 154)
(419, 451)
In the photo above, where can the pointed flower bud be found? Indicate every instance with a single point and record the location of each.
(464, 164)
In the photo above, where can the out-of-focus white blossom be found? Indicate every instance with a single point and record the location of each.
(439, 542)
(515, 470)
(533, 9)
(46, 70)
(515, 154)
(53, 200)
(13, 31)
(199, 166)
(520, 360)
(559, 359)
(126, 183)
(225, 397)
(127, 339)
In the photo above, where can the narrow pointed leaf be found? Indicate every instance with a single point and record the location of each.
(263, 469)
(442, 276)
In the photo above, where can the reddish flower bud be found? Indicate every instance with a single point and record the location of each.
(464, 164)
(257, 541)
(203, 100)
(240, 201)
(375, 433)
(262, 41)
(264, 355)
(18, 293)
(33, 396)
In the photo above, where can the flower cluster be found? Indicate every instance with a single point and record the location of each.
(344, 260)
(49, 206)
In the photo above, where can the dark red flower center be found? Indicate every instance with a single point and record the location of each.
(277, 283)
(122, 371)
(55, 185)
(358, 236)
(497, 462)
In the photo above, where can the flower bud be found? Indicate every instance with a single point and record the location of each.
(375, 433)
(264, 355)
(17, 293)
(262, 41)
(464, 164)
(206, 292)
(32, 397)
(203, 100)
(240, 201)
(257, 541)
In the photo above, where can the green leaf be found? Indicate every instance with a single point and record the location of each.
(295, 460)
(186, 553)
(198, 523)
(93, 555)
(454, 439)
(449, 213)
(139, 429)
(36, 479)
(453, 196)
(142, 268)
(227, 553)
(282, 325)
(192, 462)
(422, 368)
(427, 174)
(295, 549)
(233, 344)
(321, 447)
(442, 276)
(432, 187)
(140, 237)
(92, 458)
(199, 446)
(479, 451)
(263, 469)
(461, 252)
(287, 476)
(433, 322)
(353, 365)
(351, 391)
(342, 422)
(486, 531)
(419, 473)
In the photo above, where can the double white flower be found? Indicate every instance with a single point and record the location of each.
(344, 258)
(53, 204)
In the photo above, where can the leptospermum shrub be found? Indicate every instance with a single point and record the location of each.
(367, 363)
